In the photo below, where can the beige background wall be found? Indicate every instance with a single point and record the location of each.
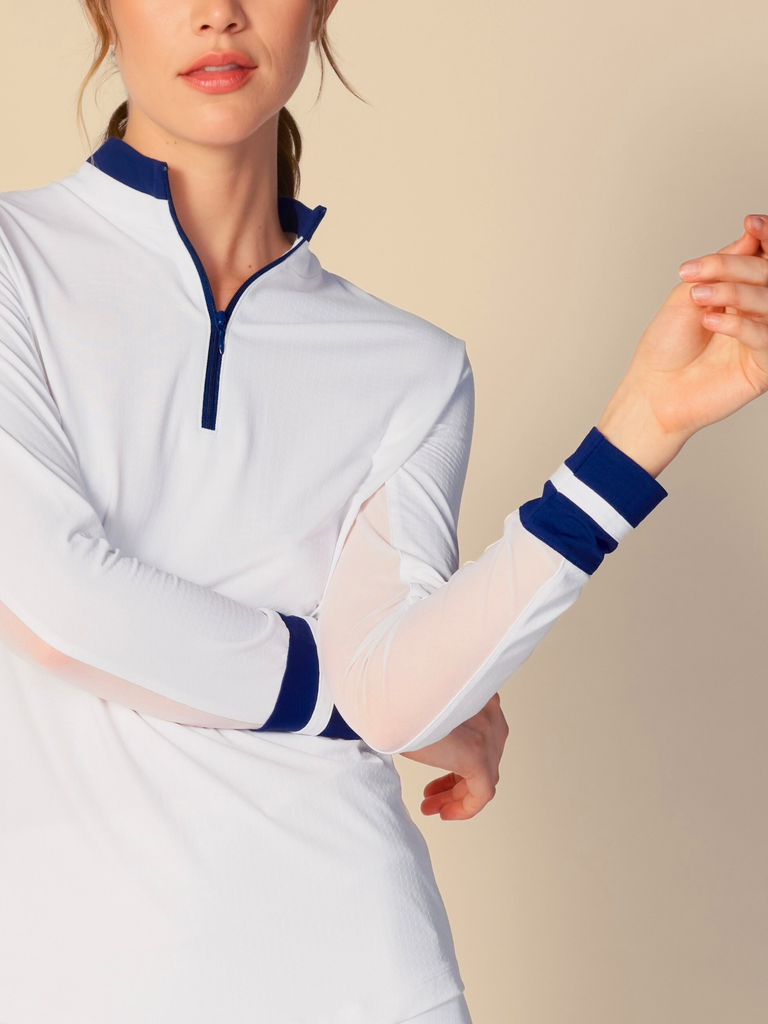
(529, 176)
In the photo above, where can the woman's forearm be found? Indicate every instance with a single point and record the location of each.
(22, 642)
(412, 645)
(102, 618)
(407, 659)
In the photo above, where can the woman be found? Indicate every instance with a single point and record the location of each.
(231, 482)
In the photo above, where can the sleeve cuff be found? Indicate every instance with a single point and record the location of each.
(616, 478)
(591, 502)
(300, 688)
(301, 680)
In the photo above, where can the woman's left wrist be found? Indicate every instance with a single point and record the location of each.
(630, 425)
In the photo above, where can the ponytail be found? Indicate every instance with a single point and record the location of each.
(288, 155)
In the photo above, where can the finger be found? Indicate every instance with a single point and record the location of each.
(753, 241)
(720, 266)
(450, 802)
(462, 804)
(457, 812)
(464, 809)
(445, 782)
(750, 333)
(452, 811)
(436, 803)
(747, 299)
(750, 241)
(470, 795)
(757, 226)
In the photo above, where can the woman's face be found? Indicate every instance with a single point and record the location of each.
(158, 40)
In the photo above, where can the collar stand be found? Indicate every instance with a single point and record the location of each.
(121, 161)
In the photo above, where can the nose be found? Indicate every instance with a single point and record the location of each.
(218, 16)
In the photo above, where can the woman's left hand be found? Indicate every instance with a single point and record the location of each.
(702, 357)
(472, 752)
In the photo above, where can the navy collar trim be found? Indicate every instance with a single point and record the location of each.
(121, 161)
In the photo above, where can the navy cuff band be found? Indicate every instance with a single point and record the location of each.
(560, 522)
(300, 687)
(567, 528)
(301, 680)
(617, 478)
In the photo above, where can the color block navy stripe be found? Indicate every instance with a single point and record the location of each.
(616, 477)
(301, 679)
(568, 529)
(338, 728)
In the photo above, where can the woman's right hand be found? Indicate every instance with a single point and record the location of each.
(472, 752)
(684, 375)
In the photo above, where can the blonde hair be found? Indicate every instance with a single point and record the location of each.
(289, 144)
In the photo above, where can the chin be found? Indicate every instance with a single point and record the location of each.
(211, 131)
(223, 124)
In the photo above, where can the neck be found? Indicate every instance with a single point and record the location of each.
(225, 198)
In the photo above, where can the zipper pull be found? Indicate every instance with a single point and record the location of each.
(221, 325)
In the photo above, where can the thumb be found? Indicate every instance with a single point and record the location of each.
(676, 335)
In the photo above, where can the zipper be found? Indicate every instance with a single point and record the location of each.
(221, 325)
(213, 368)
(219, 318)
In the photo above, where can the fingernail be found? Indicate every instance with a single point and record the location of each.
(702, 291)
(757, 223)
(690, 269)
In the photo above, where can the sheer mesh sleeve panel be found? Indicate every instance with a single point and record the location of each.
(412, 646)
(103, 619)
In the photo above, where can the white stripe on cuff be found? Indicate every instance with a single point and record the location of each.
(321, 716)
(589, 501)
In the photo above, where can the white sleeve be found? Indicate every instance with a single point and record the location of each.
(64, 587)
(410, 645)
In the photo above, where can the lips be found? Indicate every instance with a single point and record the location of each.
(220, 59)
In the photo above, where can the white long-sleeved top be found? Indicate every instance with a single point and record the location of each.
(229, 592)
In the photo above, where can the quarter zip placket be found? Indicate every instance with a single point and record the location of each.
(219, 318)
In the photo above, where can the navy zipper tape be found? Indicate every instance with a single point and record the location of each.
(219, 318)
(207, 290)
(121, 161)
(215, 348)
(234, 300)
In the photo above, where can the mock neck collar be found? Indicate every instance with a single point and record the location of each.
(145, 174)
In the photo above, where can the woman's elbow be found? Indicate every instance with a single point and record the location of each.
(368, 707)
(379, 730)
